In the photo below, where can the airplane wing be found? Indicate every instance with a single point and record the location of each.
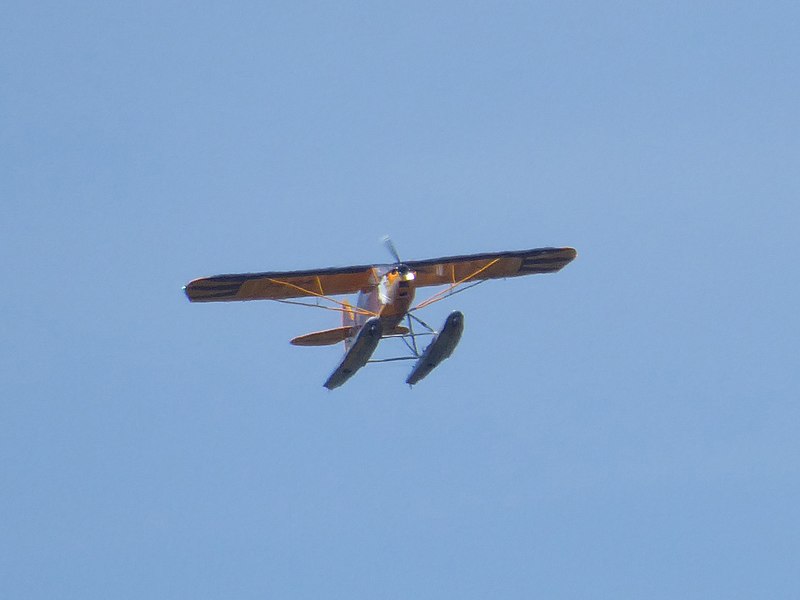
(453, 270)
(280, 285)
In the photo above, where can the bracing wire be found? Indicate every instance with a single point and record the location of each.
(449, 291)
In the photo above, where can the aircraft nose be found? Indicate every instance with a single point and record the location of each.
(405, 273)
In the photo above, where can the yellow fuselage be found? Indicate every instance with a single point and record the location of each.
(391, 298)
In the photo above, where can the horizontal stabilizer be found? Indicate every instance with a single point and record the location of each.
(329, 337)
(324, 338)
(398, 330)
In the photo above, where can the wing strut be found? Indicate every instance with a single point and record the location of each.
(340, 306)
(449, 291)
(352, 309)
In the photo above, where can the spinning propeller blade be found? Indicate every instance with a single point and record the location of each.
(387, 242)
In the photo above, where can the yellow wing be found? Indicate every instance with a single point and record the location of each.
(493, 265)
(281, 285)
(451, 270)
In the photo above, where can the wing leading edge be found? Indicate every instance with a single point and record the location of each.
(451, 270)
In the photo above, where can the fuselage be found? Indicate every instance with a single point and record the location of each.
(390, 299)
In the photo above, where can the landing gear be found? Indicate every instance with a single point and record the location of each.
(439, 349)
(358, 355)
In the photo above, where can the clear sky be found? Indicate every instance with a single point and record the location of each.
(627, 428)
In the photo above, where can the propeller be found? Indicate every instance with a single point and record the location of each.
(399, 266)
(398, 263)
(387, 242)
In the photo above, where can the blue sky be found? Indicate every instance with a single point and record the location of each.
(626, 428)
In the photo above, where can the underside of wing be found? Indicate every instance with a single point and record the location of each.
(280, 285)
(452, 270)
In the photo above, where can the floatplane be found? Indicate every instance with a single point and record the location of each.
(383, 307)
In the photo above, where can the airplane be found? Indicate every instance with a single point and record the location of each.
(383, 307)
